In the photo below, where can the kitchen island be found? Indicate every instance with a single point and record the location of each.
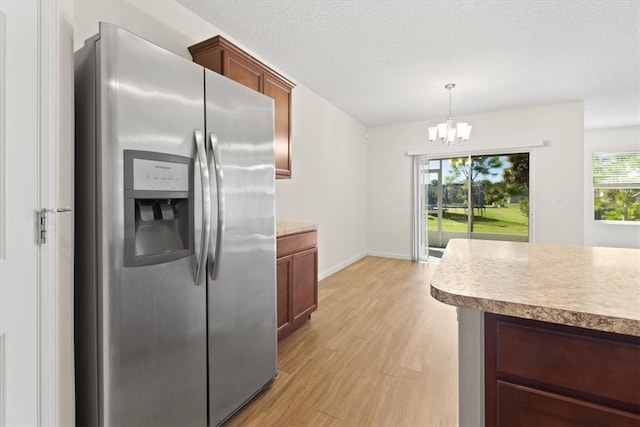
(547, 333)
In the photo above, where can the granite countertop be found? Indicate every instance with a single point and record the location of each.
(289, 227)
(590, 287)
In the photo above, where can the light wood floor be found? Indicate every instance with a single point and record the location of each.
(379, 351)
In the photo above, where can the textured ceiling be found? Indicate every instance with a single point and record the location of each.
(385, 62)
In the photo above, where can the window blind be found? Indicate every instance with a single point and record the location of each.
(616, 170)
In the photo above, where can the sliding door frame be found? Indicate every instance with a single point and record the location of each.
(419, 159)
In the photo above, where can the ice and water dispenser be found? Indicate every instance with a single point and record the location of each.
(158, 204)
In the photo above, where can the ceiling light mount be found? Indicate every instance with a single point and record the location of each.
(447, 133)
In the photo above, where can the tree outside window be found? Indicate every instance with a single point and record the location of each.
(616, 186)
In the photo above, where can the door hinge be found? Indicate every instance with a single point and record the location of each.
(43, 218)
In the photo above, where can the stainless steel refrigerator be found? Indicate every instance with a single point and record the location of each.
(175, 304)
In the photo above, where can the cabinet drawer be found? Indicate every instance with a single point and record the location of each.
(524, 406)
(570, 358)
(286, 245)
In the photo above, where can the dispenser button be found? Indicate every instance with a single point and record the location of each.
(146, 212)
(167, 211)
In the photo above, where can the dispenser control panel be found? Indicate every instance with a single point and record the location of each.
(157, 175)
(158, 207)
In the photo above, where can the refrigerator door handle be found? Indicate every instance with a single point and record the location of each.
(206, 204)
(216, 167)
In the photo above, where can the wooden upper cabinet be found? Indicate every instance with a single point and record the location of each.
(223, 57)
(281, 93)
(242, 71)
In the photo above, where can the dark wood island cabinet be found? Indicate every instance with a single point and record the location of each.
(223, 57)
(543, 374)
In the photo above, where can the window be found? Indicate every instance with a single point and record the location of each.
(616, 186)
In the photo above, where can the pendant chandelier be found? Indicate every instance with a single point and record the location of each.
(447, 133)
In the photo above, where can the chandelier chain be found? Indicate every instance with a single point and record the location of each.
(450, 86)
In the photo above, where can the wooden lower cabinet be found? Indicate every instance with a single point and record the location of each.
(284, 280)
(541, 374)
(297, 280)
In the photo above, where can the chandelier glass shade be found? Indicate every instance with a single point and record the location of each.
(448, 133)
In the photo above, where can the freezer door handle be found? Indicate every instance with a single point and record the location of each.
(216, 166)
(206, 204)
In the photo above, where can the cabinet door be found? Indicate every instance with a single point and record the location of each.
(241, 71)
(284, 275)
(523, 406)
(305, 283)
(281, 95)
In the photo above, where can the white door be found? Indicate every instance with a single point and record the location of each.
(19, 177)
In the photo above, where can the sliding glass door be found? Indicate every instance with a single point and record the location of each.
(448, 198)
(500, 186)
(475, 197)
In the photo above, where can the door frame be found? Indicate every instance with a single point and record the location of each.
(3, 38)
(48, 149)
(46, 121)
(416, 198)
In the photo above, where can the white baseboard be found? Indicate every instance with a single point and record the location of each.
(336, 268)
(389, 255)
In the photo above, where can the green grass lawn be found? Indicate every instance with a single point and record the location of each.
(507, 220)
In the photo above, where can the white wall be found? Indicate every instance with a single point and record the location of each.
(165, 23)
(328, 147)
(557, 171)
(329, 180)
(597, 233)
